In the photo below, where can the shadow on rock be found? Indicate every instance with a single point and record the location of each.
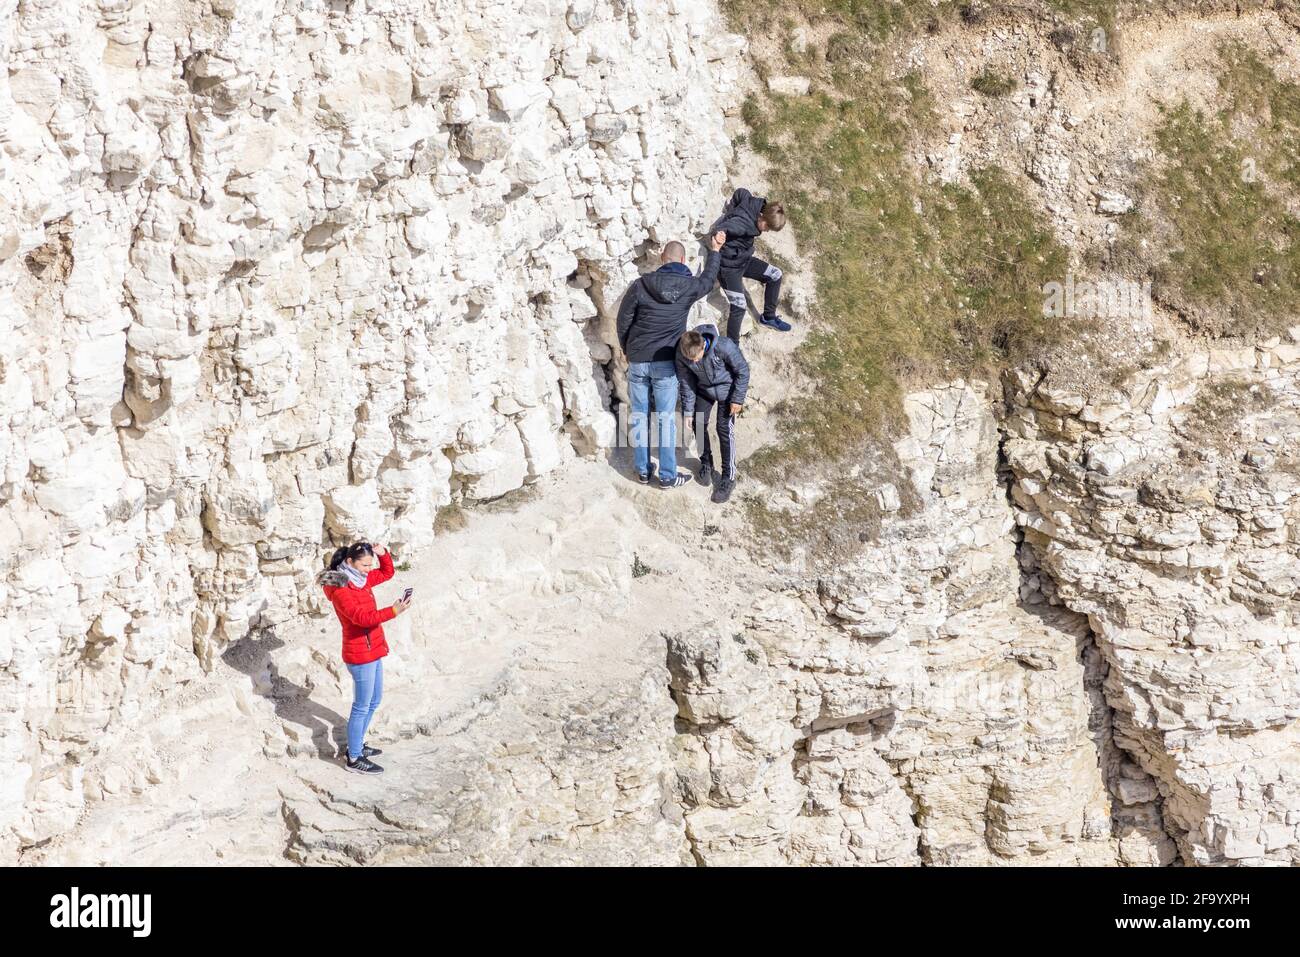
(620, 460)
(252, 656)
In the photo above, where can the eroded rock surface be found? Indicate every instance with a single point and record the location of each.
(1168, 517)
(913, 707)
(279, 274)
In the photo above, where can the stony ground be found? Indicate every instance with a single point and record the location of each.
(545, 609)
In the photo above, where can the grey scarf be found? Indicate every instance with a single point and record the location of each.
(357, 578)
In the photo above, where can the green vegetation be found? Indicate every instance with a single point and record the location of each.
(1267, 108)
(1100, 12)
(918, 281)
(1220, 406)
(1216, 201)
(991, 83)
(832, 528)
(871, 19)
(913, 279)
(877, 20)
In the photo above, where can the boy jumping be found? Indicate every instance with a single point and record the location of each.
(746, 217)
(711, 370)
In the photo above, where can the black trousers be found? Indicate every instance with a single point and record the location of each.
(726, 428)
(733, 288)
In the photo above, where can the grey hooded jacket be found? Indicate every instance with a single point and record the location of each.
(721, 374)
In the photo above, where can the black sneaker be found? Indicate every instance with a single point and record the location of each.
(723, 491)
(644, 477)
(364, 766)
(677, 481)
(705, 475)
(366, 751)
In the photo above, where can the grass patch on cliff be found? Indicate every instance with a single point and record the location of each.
(1220, 406)
(1265, 109)
(1218, 203)
(915, 281)
(876, 20)
(989, 82)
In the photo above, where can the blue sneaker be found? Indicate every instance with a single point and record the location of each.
(677, 481)
(775, 322)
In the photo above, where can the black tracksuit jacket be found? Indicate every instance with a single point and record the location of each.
(721, 374)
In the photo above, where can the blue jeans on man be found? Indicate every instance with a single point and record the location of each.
(367, 689)
(643, 378)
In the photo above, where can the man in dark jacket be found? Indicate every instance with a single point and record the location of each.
(651, 318)
(745, 218)
(711, 370)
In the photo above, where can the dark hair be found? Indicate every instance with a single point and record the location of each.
(352, 552)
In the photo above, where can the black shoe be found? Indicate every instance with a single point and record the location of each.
(366, 751)
(705, 475)
(723, 491)
(364, 766)
(677, 481)
(644, 477)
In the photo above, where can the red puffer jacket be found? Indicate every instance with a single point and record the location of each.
(363, 632)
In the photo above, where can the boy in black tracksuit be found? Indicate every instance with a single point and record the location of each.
(745, 218)
(711, 370)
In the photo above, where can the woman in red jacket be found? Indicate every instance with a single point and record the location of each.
(352, 573)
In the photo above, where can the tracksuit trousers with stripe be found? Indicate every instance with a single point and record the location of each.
(733, 287)
(726, 427)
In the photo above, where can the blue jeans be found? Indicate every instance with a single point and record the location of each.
(367, 689)
(642, 378)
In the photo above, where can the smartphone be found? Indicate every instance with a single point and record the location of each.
(406, 595)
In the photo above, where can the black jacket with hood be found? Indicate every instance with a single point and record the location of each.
(652, 316)
(721, 374)
(740, 223)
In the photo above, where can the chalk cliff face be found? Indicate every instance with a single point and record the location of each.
(1169, 518)
(275, 275)
(921, 704)
(278, 276)
(1101, 670)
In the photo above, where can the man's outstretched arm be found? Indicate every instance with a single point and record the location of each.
(708, 276)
